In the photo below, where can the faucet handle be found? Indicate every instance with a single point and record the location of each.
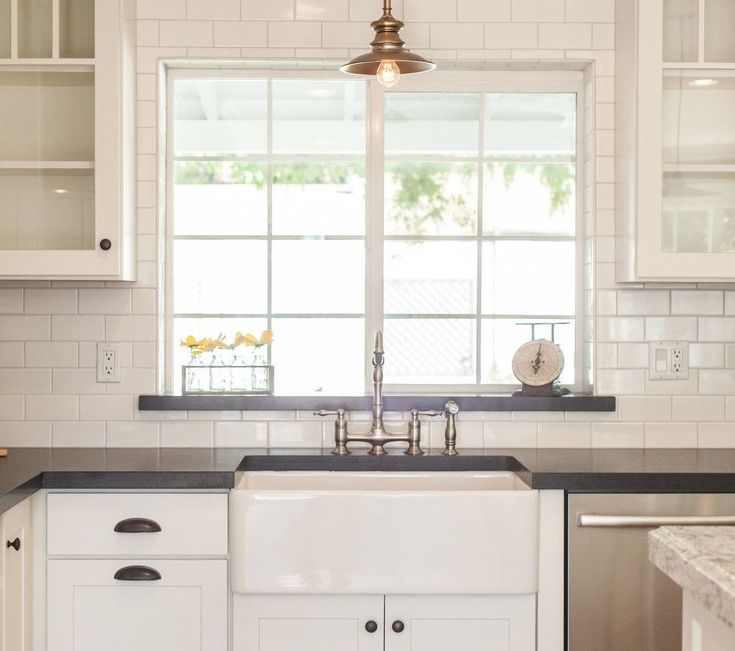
(415, 413)
(326, 412)
(340, 429)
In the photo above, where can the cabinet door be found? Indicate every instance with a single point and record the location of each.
(90, 610)
(307, 623)
(500, 623)
(16, 594)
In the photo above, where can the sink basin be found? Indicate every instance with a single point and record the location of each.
(384, 533)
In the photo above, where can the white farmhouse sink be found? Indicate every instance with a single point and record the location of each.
(384, 533)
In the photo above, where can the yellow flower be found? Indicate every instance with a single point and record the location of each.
(190, 341)
(265, 338)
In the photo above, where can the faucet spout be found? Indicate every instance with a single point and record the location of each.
(378, 359)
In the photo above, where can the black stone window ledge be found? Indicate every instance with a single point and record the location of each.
(568, 402)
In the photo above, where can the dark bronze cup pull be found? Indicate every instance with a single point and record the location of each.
(137, 525)
(105, 244)
(371, 626)
(398, 626)
(15, 544)
(137, 573)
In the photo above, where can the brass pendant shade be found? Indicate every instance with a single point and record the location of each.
(387, 46)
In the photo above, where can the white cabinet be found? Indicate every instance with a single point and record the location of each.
(181, 605)
(144, 571)
(392, 623)
(675, 140)
(308, 623)
(67, 105)
(702, 630)
(16, 578)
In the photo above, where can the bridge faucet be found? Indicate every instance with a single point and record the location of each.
(377, 437)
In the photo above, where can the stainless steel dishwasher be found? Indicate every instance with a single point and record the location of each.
(617, 600)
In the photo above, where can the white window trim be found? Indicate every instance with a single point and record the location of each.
(438, 81)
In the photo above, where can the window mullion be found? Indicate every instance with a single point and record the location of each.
(478, 232)
(269, 226)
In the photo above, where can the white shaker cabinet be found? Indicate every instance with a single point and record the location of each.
(675, 140)
(390, 623)
(67, 171)
(172, 604)
(16, 578)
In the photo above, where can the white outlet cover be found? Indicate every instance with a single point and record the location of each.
(109, 359)
(664, 362)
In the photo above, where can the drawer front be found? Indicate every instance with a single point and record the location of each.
(83, 524)
(180, 606)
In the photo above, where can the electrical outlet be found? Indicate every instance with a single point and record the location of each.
(668, 360)
(108, 362)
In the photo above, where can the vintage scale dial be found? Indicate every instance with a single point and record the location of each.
(538, 363)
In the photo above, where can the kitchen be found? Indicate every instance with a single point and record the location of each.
(205, 225)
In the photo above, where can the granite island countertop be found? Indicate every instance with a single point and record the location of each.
(702, 561)
(26, 470)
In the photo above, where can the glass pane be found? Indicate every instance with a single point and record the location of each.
(432, 123)
(220, 277)
(318, 199)
(76, 28)
(430, 198)
(699, 117)
(319, 116)
(220, 198)
(430, 351)
(318, 356)
(699, 213)
(531, 125)
(322, 277)
(681, 30)
(34, 29)
(430, 277)
(208, 328)
(719, 25)
(502, 337)
(221, 116)
(5, 25)
(47, 116)
(47, 210)
(528, 277)
(535, 198)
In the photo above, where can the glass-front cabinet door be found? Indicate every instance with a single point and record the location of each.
(63, 207)
(686, 140)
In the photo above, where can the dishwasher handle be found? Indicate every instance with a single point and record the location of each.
(648, 521)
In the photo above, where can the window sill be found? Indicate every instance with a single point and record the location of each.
(568, 402)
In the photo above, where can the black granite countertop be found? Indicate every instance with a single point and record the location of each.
(26, 470)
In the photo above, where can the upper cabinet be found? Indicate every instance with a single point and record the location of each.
(675, 140)
(67, 106)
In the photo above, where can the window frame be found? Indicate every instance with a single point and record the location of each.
(486, 81)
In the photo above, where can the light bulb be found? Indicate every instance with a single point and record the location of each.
(704, 83)
(388, 73)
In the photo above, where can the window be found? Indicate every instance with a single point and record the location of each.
(323, 207)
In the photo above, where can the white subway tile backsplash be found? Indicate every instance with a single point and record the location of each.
(11, 301)
(698, 408)
(671, 435)
(208, 10)
(706, 355)
(617, 435)
(716, 435)
(602, 11)
(643, 302)
(104, 301)
(130, 328)
(619, 382)
(50, 301)
(240, 435)
(716, 381)
(510, 435)
(632, 355)
(77, 328)
(161, 9)
(132, 434)
(565, 35)
(270, 10)
(57, 407)
(540, 11)
(564, 435)
(488, 11)
(716, 328)
(346, 35)
(78, 435)
(25, 328)
(73, 380)
(511, 36)
(644, 408)
(185, 33)
(434, 10)
(676, 328)
(184, 434)
(106, 407)
(697, 302)
(25, 434)
(300, 34)
(240, 34)
(613, 328)
(295, 434)
(456, 35)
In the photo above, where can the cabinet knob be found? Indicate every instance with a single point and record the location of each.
(137, 525)
(398, 626)
(137, 573)
(105, 244)
(15, 544)
(371, 626)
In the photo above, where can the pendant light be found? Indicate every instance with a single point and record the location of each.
(389, 58)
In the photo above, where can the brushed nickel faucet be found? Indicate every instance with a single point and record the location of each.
(377, 437)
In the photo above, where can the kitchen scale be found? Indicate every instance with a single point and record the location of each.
(538, 363)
